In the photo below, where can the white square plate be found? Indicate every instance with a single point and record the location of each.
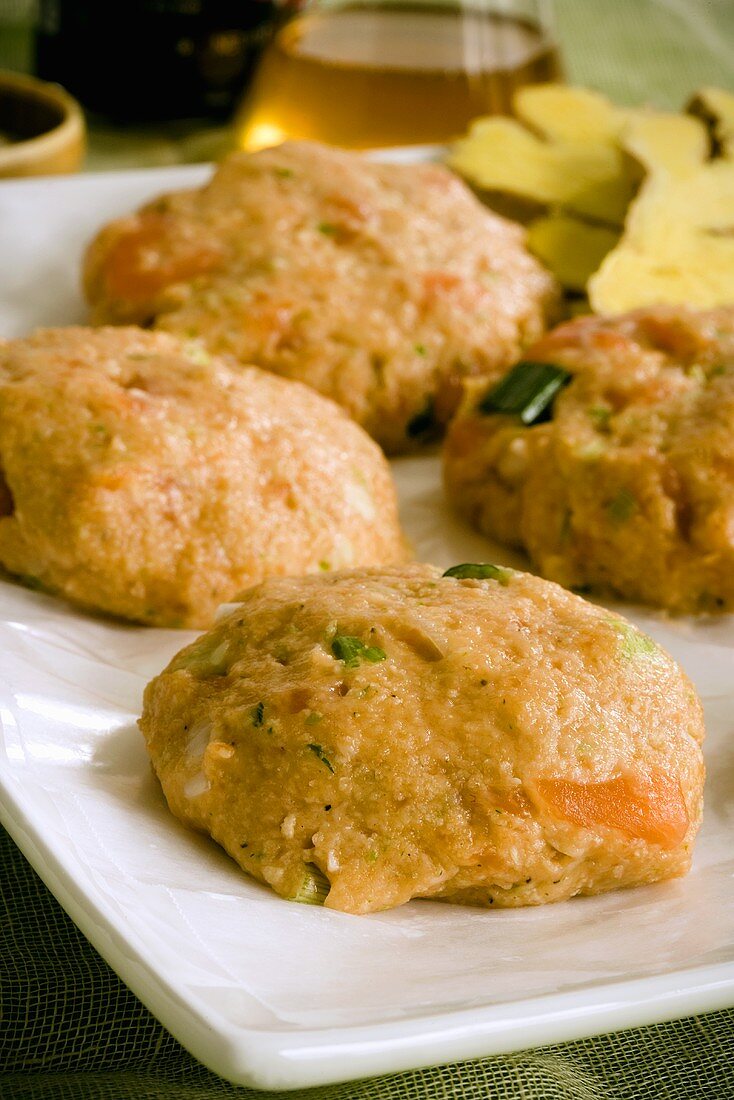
(276, 995)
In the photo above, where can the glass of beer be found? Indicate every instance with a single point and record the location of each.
(380, 73)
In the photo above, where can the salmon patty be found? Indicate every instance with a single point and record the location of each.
(608, 455)
(379, 285)
(482, 737)
(141, 477)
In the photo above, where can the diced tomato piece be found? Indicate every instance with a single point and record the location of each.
(147, 259)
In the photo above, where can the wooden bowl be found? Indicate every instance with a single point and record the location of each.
(42, 129)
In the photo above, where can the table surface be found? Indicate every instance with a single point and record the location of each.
(71, 1029)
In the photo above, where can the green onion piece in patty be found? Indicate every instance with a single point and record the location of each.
(480, 571)
(321, 755)
(209, 656)
(528, 391)
(632, 642)
(622, 507)
(314, 887)
(600, 416)
(351, 650)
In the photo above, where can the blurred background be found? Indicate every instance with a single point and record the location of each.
(176, 81)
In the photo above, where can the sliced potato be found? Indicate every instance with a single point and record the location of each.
(563, 152)
(568, 115)
(678, 242)
(571, 248)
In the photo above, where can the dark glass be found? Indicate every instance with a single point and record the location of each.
(150, 60)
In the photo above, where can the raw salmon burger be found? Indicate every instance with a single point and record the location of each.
(379, 735)
(380, 285)
(141, 477)
(628, 488)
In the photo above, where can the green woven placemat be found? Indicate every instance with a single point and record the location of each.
(70, 1030)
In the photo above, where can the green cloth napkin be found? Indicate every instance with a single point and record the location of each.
(647, 51)
(70, 1030)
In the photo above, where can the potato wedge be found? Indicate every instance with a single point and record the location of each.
(562, 151)
(571, 248)
(678, 242)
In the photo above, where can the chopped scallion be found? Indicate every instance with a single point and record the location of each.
(480, 571)
(314, 888)
(638, 645)
(633, 642)
(528, 391)
(622, 507)
(321, 755)
(209, 656)
(351, 650)
(600, 415)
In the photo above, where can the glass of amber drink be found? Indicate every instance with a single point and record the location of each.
(386, 73)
